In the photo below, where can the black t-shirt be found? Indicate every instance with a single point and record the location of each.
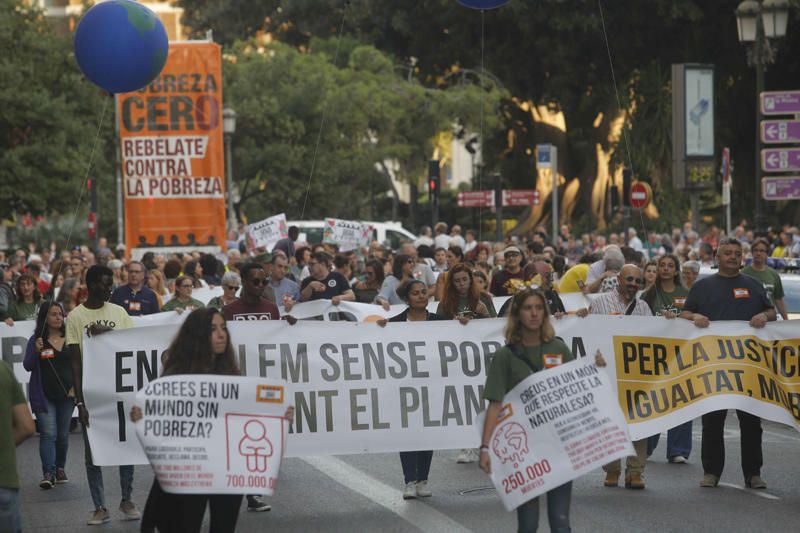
(721, 298)
(55, 365)
(504, 283)
(335, 285)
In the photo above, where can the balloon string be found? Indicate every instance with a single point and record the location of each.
(480, 161)
(81, 189)
(324, 115)
(619, 108)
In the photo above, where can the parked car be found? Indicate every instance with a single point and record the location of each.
(392, 234)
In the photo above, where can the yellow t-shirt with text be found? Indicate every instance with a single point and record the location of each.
(82, 317)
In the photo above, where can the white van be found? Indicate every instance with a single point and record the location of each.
(392, 233)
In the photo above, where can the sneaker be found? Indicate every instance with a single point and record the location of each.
(678, 460)
(128, 508)
(410, 492)
(466, 456)
(634, 481)
(255, 504)
(422, 489)
(61, 476)
(47, 482)
(99, 516)
(612, 479)
(709, 481)
(755, 482)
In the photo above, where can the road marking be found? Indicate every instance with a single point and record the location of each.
(415, 512)
(757, 492)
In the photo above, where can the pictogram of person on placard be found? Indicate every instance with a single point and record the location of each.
(255, 447)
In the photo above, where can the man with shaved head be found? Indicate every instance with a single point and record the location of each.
(623, 301)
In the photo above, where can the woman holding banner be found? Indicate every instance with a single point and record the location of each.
(416, 465)
(51, 395)
(666, 298)
(463, 298)
(531, 346)
(201, 346)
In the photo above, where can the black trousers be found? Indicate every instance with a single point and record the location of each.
(713, 448)
(183, 513)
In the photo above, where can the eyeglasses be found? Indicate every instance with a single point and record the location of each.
(258, 281)
(639, 281)
(228, 287)
(511, 254)
(759, 250)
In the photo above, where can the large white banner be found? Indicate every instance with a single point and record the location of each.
(555, 426)
(360, 388)
(207, 434)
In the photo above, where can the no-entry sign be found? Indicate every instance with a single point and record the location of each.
(641, 194)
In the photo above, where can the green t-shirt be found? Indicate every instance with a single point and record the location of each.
(669, 301)
(23, 311)
(10, 395)
(190, 305)
(507, 370)
(770, 279)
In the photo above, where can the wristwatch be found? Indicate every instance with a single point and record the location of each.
(484, 448)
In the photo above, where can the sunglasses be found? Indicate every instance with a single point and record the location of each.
(511, 254)
(229, 288)
(630, 279)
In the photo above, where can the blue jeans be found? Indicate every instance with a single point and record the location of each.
(54, 434)
(10, 521)
(94, 475)
(679, 441)
(558, 501)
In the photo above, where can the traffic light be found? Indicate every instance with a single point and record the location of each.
(434, 181)
(627, 178)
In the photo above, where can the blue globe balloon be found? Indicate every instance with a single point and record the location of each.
(121, 45)
(482, 4)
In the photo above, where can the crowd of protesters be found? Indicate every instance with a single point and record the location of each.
(67, 290)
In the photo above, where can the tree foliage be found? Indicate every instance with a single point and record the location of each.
(555, 52)
(49, 116)
(371, 115)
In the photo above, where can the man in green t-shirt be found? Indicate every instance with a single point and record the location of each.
(16, 425)
(97, 315)
(768, 277)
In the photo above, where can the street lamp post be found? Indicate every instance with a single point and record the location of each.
(228, 129)
(757, 23)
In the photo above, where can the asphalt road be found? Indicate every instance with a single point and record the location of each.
(363, 493)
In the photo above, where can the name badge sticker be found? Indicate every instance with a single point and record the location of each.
(679, 302)
(48, 353)
(741, 293)
(135, 306)
(552, 359)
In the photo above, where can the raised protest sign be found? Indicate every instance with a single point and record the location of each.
(208, 434)
(267, 232)
(171, 152)
(347, 234)
(555, 426)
